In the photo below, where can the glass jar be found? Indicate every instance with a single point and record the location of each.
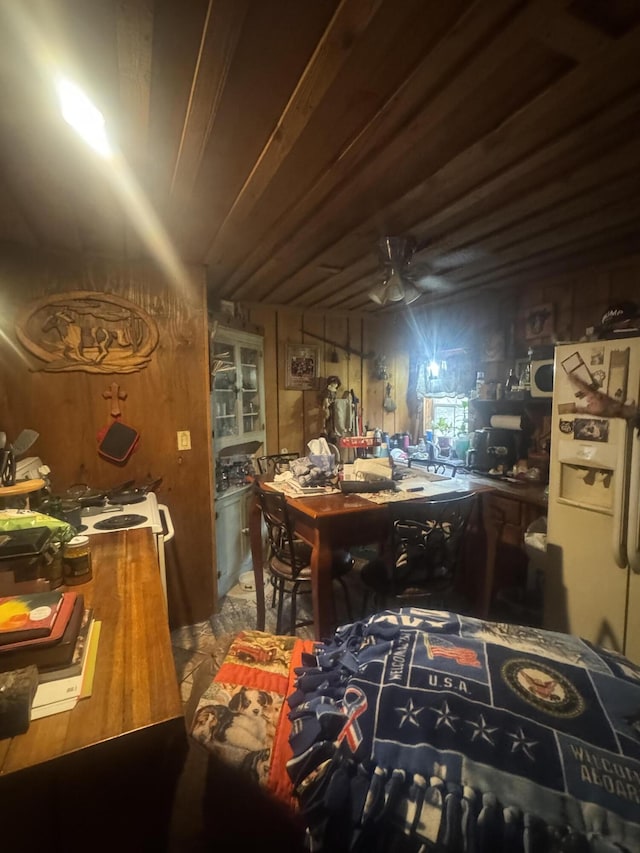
(76, 561)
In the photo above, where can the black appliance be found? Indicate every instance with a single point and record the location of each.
(27, 555)
(491, 447)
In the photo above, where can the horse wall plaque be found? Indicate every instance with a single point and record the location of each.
(89, 331)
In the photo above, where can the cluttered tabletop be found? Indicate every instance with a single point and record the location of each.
(402, 482)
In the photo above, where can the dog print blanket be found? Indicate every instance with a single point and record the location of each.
(425, 730)
(242, 716)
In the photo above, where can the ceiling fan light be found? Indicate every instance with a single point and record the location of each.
(411, 292)
(395, 288)
(378, 294)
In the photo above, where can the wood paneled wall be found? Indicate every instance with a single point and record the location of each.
(296, 417)
(171, 394)
(579, 299)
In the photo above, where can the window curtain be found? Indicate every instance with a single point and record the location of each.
(452, 376)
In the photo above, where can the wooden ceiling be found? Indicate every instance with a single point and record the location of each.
(276, 141)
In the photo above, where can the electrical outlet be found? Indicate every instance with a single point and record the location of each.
(184, 439)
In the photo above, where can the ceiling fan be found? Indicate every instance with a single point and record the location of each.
(400, 276)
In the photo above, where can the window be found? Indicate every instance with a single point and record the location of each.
(446, 415)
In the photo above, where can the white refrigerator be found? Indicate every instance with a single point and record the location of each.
(592, 572)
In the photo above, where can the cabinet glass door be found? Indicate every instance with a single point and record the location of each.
(237, 396)
(250, 390)
(225, 390)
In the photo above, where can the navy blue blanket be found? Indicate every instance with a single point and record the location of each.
(419, 729)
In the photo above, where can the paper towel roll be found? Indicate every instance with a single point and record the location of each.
(506, 421)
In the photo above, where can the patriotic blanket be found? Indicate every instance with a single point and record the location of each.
(419, 730)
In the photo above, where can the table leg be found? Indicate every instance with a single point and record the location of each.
(321, 586)
(255, 536)
(494, 522)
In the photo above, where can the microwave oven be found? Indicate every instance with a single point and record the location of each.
(541, 377)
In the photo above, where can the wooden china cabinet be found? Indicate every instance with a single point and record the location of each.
(237, 415)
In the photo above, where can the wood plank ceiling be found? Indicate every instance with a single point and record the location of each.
(276, 141)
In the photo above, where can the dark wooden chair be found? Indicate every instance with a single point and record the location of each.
(436, 466)
(424, 552)
(275, 463)
(289, 558)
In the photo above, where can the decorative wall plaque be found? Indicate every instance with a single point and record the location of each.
(85, 330)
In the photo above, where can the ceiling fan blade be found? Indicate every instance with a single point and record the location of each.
(430, 281)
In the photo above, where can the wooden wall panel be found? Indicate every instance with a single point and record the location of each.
(295, 417)
(579, 300)
(171, 394)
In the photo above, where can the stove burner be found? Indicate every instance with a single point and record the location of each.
(80, 528)
(119, 522)
(125, 498)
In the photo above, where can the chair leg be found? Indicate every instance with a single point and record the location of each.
(365, 603)
(378, 602)
(347, 598)
(294, 594)
(273, 597)
(280, 606)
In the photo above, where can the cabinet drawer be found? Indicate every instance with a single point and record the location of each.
(512, 535)
(505, 510)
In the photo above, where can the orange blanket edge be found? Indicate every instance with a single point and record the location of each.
(279, 782)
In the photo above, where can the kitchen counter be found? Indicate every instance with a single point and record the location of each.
(507, 509)
(524, 491)
(106, 768)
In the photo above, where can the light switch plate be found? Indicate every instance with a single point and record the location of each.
(184, 439)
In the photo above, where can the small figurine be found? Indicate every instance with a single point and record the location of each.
(338, 411)
(330, 394)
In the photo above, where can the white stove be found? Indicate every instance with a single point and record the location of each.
(145, 513)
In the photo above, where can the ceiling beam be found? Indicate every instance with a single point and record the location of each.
(134, 35)
(221, 31)
(349, 21)
(576, 98)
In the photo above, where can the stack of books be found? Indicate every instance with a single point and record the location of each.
(55, 632)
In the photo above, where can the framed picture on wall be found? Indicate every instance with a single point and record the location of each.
(302, 367)
(494, 345)
(539, 322)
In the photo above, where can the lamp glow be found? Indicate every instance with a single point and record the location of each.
(83, 116)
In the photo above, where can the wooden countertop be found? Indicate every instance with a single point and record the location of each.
(526, 492)
(135, 685)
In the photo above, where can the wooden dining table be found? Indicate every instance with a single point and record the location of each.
(326, 522)
(332, 521)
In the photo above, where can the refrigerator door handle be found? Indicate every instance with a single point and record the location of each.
(633, 513)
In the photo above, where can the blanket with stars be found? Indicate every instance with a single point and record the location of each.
(426, 730)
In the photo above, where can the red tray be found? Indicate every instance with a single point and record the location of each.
(358, 441)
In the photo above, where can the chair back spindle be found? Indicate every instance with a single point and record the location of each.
(275, 463)
(425, 549)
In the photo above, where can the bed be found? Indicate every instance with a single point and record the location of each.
(427, 730)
